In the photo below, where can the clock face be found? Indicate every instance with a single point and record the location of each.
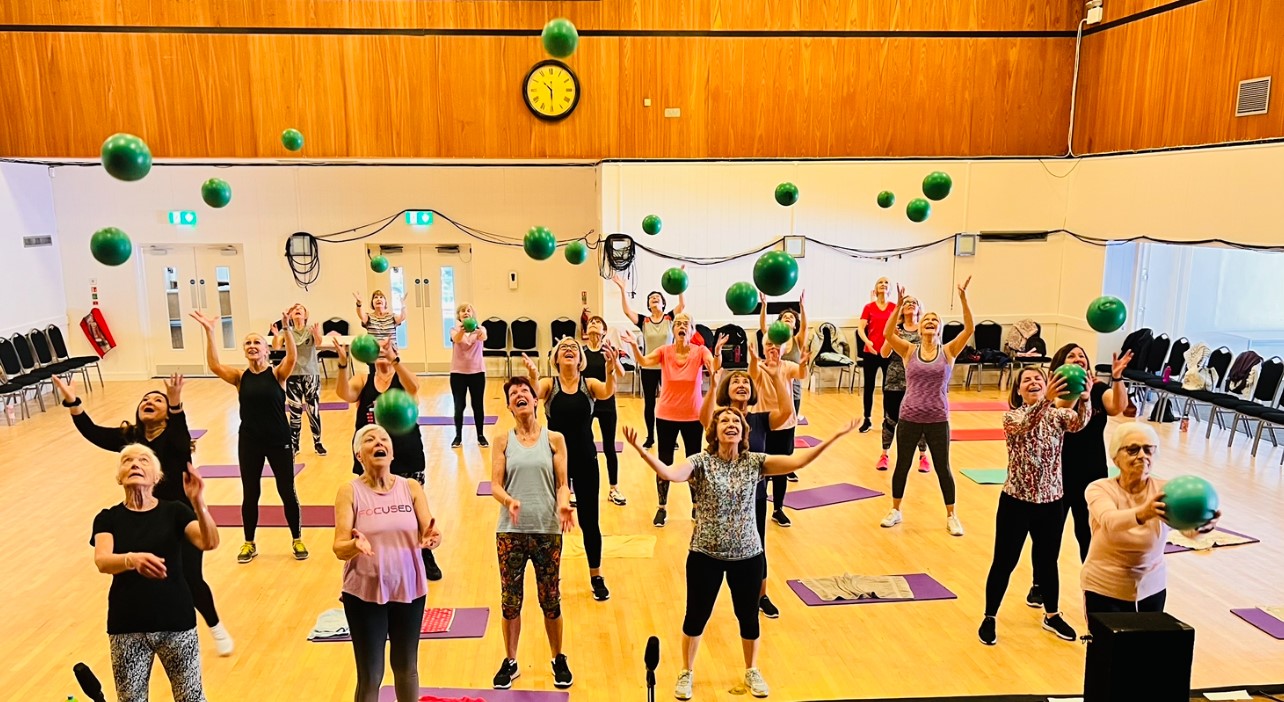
(551, 90)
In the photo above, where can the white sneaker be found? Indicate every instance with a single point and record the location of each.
(682, 690)
(222, 640)
(954, 526)
(892, 519)
(757, 686)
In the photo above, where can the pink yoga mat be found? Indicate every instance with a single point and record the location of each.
(979, 406)
(469, 623)
(923, 586)
(483, 488)
(439, 421)
(332, 406)
(1262, 620)
(387, 694)
(197, 433)
(273, 515)
(827, 495)
(619, 446)
(1174, 548)
(977, 434)
(801, 442)
(235, 471)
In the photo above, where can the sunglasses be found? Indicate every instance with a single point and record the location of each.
(1134, 449)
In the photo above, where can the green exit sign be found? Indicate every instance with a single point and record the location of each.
(419, 218)
(183, 218)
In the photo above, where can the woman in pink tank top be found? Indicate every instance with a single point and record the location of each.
(381, 522)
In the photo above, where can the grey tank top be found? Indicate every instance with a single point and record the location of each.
(655, 335)
(305, 362)
(528, 477)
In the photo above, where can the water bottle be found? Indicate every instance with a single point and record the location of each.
(1168, 374)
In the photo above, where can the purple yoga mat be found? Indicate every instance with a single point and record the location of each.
(802, 422)
(235, 471)
(196, 433)
(827, 495)
(439, 421)
(273, 515)
(483, 488)
(922, 584)
(977, 435)
(387, 694)
(1174, 548)
(806, 442)
(619, 446)
(332, 406)
(469, 623)
(1262, 620)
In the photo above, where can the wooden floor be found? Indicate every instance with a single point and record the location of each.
(52, 483)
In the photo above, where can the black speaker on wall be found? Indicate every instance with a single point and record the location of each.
(1138, 656)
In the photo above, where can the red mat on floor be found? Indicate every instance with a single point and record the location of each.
(273, 515)
(976, 434)
(979, 406)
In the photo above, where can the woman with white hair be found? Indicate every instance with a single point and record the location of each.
(381, 521)
(150, 613)
(1125, 571)
(264, 432)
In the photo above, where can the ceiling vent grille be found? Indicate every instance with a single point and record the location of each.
(1253, 97)
(31, 242)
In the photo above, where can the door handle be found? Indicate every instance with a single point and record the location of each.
(192, 285)
(419, 301)
(203, 293)
(427, 294)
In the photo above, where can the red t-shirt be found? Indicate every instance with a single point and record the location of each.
(875, 323)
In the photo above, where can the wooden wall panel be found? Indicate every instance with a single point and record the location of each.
(587, 14)
(1170, 80)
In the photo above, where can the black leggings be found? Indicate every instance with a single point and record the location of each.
(780, 442)
(650, 391)
(202, 596)
(937, 436)
(604, 411)
(1076, 504)
(1092, 602)
(397, 623)
(1015, 520)
(667, 435)
(760, 514)
(891, 415)
(280, 456)
(704, 580)
(474, 384)
(586, 482)
(872, 364)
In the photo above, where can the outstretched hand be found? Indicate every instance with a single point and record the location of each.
(203, 320)
(361, 543)
(174, 390)
(530, 365)
(194, 485)
(1056, 388)
(963, 288)
(1119, 365)
(64, 388)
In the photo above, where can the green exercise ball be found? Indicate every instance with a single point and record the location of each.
(110, 246)
(886, 199)
(918, 209)
(786, 194)
(775, 273)
(379, 264)
(216, 192)
(576, 252)
(292, 139)
(397, 411)
(126, 157)
(742, 298)
(469, 324)
(539, 243)
(651, 224)
(1190, 502)
(560, 38)
(1076, 380)
(779, 333)
(1107, 314)
(937, 184)
(365, 348)
(674, 281)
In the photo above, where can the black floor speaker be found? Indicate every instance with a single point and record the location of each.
(1138, 656)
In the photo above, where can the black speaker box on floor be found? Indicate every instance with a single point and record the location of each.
(1138, 656)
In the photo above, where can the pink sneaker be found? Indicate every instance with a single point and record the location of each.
(882, 463)
(923, 465)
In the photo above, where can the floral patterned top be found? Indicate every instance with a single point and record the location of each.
(1034, 434)
(725, 526)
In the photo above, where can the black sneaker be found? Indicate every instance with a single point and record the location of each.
(1058, 626)
(792, 477)
(779, 517)
(482, 442)
(319, 449)
(457, 442)
(508, 672)
(660, 516)
(650, 441)
(1034, 599)
(600, 593)
(768, 608)
(866, 425)
(561, 672)
(431, 569)
(988, 634)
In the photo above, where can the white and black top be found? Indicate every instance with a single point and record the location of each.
(725, 525)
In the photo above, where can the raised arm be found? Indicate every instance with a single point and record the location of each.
(677, 473)
(649, 360)
(605, 389)
(108, 438)
(348, 542)
(890, 337)
(362, 317)
(401, 316)
(316, 335)
(784, 409)
(408, 380)
(202, 533)
(1116, 398)
(543, 386)
(347, 387)
(228, 374)
(955, 347)
(632, 316)
(682, 297)
(286, 366)
(762, 312)
(784, 465)
(710, 401)
(801, 337)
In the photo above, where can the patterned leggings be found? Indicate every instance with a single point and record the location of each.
(303, 392)
(180, 655)
(545, 551)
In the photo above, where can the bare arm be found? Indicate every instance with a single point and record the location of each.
(316, 335)
(890, 337)
(228, 374)
(348, 542)
(499, 471)
(784, 465)
(677, 473)
(291, 352)
(362, 317)
(347, 387)
(801, 337)
(604, 389)
(106, 561)
(624, 300)
(203, 532)
(563, 485)
(709, 403)
(649, 360)
(1116, 398)
(401, 316)
(408, 379)
(784, 409)
(762, 313)
(955, 347)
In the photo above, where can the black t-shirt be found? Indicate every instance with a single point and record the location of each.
(595, 368)
(137, 604)
(1083, 453)
(759, 427)
(407, 449)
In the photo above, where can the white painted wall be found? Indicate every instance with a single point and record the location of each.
(30, 279)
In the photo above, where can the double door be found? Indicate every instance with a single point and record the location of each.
(183, 278)
(429, 282)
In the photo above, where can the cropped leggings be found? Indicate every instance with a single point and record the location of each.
(704, 580)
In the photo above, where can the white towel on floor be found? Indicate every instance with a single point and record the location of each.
(860, 587)
(330, 624)
(1277, 612)
(1203, 542)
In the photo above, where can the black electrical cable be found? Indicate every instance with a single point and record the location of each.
(306, 267)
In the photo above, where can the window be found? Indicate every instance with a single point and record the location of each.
(173, 308)
(447, 304)
(223, 288)
(397, 290)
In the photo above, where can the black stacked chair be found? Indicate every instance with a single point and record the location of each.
(275, 355)
(336, 325)
(45, 358)
(15, 387)
(1175, 366)
(949, 333)
(1218, 361)
(496, 343)
(524, 339)
(1266, 392)
(989, 337)
(827, 333)
(735, 355)
(23, 371)
(60, 351)
(1146, 368)
(561, 328)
